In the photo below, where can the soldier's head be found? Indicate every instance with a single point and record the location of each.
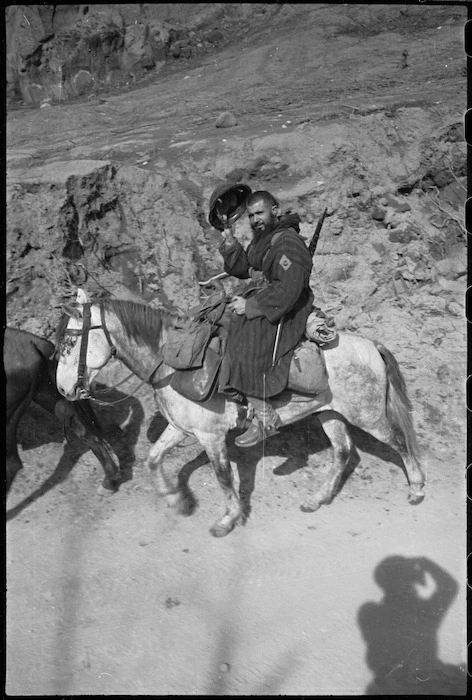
(263, 211)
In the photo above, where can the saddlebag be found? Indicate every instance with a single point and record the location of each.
(198, 384)
(308, 373)
(185, 346)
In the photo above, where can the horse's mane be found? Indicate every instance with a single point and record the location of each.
(141, 322)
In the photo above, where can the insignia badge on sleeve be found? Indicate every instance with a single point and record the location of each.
(285, 262)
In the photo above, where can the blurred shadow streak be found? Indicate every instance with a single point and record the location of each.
(401, 630)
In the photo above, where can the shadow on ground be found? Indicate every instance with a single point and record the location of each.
(401, 631)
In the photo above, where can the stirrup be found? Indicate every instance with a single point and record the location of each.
(256, 433)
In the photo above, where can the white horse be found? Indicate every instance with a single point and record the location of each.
(366, 388)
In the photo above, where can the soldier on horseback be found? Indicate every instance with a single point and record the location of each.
(269, 318)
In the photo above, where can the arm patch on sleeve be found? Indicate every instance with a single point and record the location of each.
(285, 262)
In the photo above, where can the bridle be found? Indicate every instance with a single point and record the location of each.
(81, 391)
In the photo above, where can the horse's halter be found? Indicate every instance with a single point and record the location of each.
(81, 390)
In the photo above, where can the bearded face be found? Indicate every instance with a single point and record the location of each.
(262, 216)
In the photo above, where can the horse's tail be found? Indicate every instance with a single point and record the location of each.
(399, 407)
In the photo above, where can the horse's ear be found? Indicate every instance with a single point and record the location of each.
(82, 296)
(72, 310)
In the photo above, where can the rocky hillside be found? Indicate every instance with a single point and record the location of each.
(326, 106)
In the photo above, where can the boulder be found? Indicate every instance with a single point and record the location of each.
(377, 213)
(225, 120)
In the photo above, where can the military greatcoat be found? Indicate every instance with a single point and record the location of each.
(282, 255)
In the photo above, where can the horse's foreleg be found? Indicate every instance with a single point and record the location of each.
(13, 461)
(175, 496)
(343, 451)
(218, 455)
(74, 418)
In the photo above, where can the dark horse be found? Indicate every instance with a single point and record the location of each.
(30, 376)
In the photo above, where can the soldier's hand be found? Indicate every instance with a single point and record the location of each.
(237, 305)
(228, 236)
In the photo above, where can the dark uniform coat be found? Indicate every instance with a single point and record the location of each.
(283, 257)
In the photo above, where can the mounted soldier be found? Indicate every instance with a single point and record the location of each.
(269, 318)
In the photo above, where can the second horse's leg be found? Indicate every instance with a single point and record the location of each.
(13, 462)
(343, 452)
(79, 418)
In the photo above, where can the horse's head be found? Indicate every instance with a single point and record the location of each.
(83, 347)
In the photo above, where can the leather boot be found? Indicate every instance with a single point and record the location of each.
(256, 433)
(264, 424)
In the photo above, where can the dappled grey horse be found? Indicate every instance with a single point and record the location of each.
(366, 388)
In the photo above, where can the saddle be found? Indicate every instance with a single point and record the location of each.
(195, 349)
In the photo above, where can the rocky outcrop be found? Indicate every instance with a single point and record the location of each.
(122, 231)
(58, 52)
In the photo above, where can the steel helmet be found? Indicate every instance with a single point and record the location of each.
(230, 201)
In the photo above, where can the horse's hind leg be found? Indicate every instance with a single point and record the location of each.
(217, 452)
(395, 438)
(343, 451)
(175, 496)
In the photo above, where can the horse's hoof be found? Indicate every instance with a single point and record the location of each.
(182, 504)
(415, 497)
(105, 491)
(309, 507)
(218, 530)
(185, 506)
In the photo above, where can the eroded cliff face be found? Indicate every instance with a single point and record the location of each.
(393, 224)
(121, 230)
(61, 52)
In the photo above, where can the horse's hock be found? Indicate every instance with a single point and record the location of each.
(125, 230)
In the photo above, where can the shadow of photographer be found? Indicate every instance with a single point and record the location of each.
(401, 630)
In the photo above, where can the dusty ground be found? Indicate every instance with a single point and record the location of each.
(119, 595)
